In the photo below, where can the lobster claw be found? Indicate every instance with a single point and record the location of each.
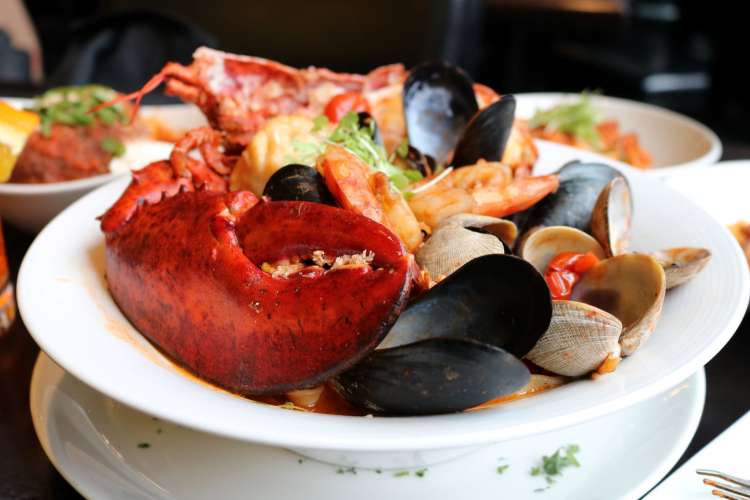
(187, 273)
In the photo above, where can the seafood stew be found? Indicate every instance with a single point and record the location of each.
(380, 237)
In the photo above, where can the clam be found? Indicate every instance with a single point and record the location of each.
(457, 345)
(574, 201)
(543, 244)
(461, 238)
(298, 183)
(631, 287)
(612, 217)
(438, 101)
(486, 134)
(579, 339)
(682, 263)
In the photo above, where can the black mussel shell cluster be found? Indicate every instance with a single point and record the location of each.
(442, 116)
(458, 345)
(573, 203)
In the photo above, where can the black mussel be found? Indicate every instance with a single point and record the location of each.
(495, 306)
(298, 183)
(573, 203)
(439, 101)
(432, 376)
(486, 134)
(365, 120)
(416, 160)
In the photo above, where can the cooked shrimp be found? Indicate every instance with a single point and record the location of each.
(347, 177)
(400, 216)
(359, 189)
(486, 188)
(439, 202)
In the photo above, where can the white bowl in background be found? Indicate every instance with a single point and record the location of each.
(31, 206)
(65, 304)
(674, 140)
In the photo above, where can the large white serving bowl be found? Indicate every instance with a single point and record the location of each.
(31, 206)
(63, 299)
(674, 140)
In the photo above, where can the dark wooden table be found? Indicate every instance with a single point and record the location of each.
(26, 473)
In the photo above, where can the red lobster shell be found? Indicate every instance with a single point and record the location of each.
(184, 266)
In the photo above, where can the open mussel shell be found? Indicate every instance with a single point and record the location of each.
(298, 183)
(573, 203)
(631, 287)
(682, 263)
(543, 244)
(441, 375)
(613, 216)
(486, 134)
(579, 339)
(461, 238)
(495, 306)
(438, 104)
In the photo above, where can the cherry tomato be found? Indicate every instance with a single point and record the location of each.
(567, 269)
(343, 103)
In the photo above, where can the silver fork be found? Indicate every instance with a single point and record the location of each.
(734, 488)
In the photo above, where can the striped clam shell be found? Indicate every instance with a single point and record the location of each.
(578, 340)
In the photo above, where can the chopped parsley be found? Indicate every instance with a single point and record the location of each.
(144, 445)
(578, 119)
(553, 465)
(73, 105)
(401, 473)
(502, 468)
(113, 146)
(421, 472)
(346, 470)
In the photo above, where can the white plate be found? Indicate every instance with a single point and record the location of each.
(65, 304)
(721, 189)
(674, 140)
(31, 206)
(93, 442)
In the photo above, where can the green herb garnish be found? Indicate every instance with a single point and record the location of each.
(113, 146)
(144, 445)
(401, 473)
(359, 141)
(347, 470)
(502, 468)
(319, 123)
(72, 106)
(578, 119)
(554, 464)
(421, 472)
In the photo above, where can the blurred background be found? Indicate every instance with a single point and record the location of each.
(677, 54)
(686, 56)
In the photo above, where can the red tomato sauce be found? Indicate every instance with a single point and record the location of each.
(567, 269)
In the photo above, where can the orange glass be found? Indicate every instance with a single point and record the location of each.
(7, 299)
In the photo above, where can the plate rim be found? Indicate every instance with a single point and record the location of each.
(697, 383)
